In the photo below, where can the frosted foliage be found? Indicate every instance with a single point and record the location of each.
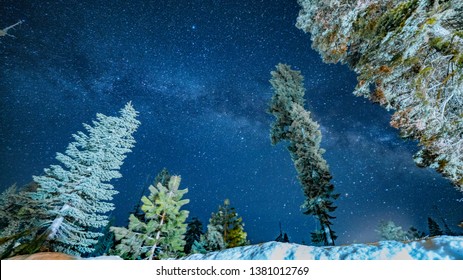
(9, 223)
(214, 238)
(294, 124)
(160, 233)
(389, 231)
(409, 57)
(7, 198)
(75, 194)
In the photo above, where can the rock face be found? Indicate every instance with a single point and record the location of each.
(408, 55)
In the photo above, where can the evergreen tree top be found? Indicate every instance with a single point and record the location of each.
(76, 195)
(288, 85)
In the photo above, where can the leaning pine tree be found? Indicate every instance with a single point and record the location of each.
(160, 234)
(294, 124)
(76, 195)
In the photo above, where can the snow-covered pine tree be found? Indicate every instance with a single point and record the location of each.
(76, 195)
(105, 242)
(17, 213)
(225, 230)
(388, 230)
(9, 200)
(211, 241)
(162, 231)
(199, 247)
(294, 124)
(229, 224)
(408, 55)
(15, 219)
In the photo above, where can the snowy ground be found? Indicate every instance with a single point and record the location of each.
(437, 248)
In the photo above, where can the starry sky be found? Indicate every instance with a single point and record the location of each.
(198, 72)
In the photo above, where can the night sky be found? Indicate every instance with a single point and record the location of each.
(198, 71)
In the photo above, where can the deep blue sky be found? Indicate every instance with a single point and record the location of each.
(198, 71)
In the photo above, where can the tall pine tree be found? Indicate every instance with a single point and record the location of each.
(76, 195)
(294, 124)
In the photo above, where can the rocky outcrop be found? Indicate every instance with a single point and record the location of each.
(408, 55)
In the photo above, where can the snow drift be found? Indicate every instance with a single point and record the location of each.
(437, 248)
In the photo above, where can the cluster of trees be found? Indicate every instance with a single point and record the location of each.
(295, 125)
(225, 230)
(65, 210)
(158, 229)
(388, 230)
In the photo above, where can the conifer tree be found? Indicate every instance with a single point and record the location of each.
(105, 242)
(446, 230)
(230, 226)
(414, 234)
(162, 177)
(76, 195)
(211, 241)
(8, 201)
(17, 212)
(193, 233)
(294, 124)
(282, 237)
(434, 229)
(199, 247)
(409, 57)
(388, 230)
(214, 238)
(161, 234)
(14, 220)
